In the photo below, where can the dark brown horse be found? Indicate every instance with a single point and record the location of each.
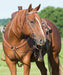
(53, 45)
(21, 34)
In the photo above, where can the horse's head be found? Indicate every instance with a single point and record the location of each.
(32, 26)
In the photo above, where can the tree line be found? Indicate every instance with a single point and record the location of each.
(51, 13)
(55, 15)
(3, 22)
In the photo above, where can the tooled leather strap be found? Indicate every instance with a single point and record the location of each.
(46, 26)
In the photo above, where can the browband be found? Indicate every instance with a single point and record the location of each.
(31, 12)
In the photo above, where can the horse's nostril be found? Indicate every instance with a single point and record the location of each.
(41, 41)
(33, 35)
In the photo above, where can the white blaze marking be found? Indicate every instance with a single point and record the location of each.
(31, 12)
(40, 27)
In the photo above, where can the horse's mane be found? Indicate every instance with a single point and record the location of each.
(16, 23)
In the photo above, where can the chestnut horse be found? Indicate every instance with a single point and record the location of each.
(23, 24)
(21, 34)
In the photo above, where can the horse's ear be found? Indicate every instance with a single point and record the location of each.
(30, 8)
(37, 8)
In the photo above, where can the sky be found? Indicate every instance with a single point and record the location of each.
(7, 7)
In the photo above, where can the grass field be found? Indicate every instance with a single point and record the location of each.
(4, 70)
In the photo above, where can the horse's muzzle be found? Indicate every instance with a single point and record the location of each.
(40, 42)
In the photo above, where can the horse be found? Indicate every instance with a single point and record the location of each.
(52, 47)
(22, 34)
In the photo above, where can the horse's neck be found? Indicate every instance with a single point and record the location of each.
(13, 30)
(17, 24)
(9, 36)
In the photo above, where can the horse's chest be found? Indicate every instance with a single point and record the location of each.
(16, 53)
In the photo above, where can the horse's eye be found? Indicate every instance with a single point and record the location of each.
(32, 22)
